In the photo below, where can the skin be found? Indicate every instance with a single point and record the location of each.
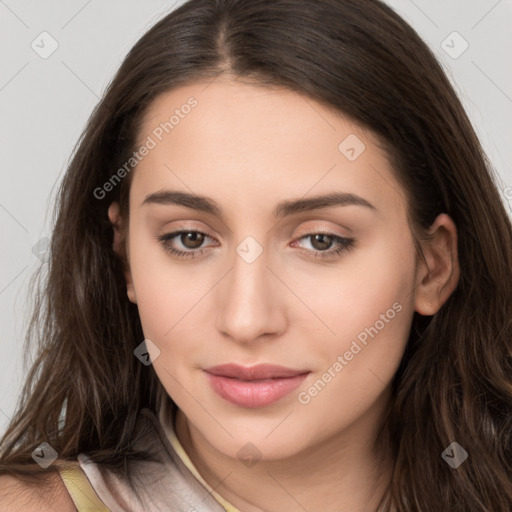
(249, 148)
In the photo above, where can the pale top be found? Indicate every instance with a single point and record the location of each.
(169, 483)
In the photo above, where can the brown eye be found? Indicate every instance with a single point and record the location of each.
(321, 242)
(192, 239)
(184, 244)
(323, 245)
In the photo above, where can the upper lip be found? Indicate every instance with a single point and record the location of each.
(256, 372)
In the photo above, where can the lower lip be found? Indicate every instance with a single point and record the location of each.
(253, 394)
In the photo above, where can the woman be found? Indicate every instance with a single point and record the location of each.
(279, 279)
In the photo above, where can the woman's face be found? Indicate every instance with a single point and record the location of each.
(261, 172)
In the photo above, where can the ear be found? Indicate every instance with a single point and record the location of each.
(119, 246)
(438, 268)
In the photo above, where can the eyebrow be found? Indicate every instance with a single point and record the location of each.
(283, 209)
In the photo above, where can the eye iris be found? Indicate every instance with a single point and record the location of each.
(325, 241)
(192, 240)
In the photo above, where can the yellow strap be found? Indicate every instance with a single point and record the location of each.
(81, 491)
(178, 447)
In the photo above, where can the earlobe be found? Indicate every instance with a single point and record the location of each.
(118, 245)
(130, 292)
(438, 266)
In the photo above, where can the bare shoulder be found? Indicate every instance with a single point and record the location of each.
(50, 495)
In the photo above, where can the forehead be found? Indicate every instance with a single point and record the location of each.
(255, 109)
(265, 143)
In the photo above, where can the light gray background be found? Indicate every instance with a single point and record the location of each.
(45, 103)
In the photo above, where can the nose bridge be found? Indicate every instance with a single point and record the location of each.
(249, 301)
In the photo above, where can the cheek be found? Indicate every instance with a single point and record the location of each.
(167, 299)
(371, 288)
(166, 291)
(370, 310)
(356, 372)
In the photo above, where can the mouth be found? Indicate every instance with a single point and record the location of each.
(254, 386)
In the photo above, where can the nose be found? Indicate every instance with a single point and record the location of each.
(250, 302)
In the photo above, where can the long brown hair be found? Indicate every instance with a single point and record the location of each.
(85, 389)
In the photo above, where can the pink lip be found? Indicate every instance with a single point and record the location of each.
(254, 386)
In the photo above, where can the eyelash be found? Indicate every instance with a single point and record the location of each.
(347, 244)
